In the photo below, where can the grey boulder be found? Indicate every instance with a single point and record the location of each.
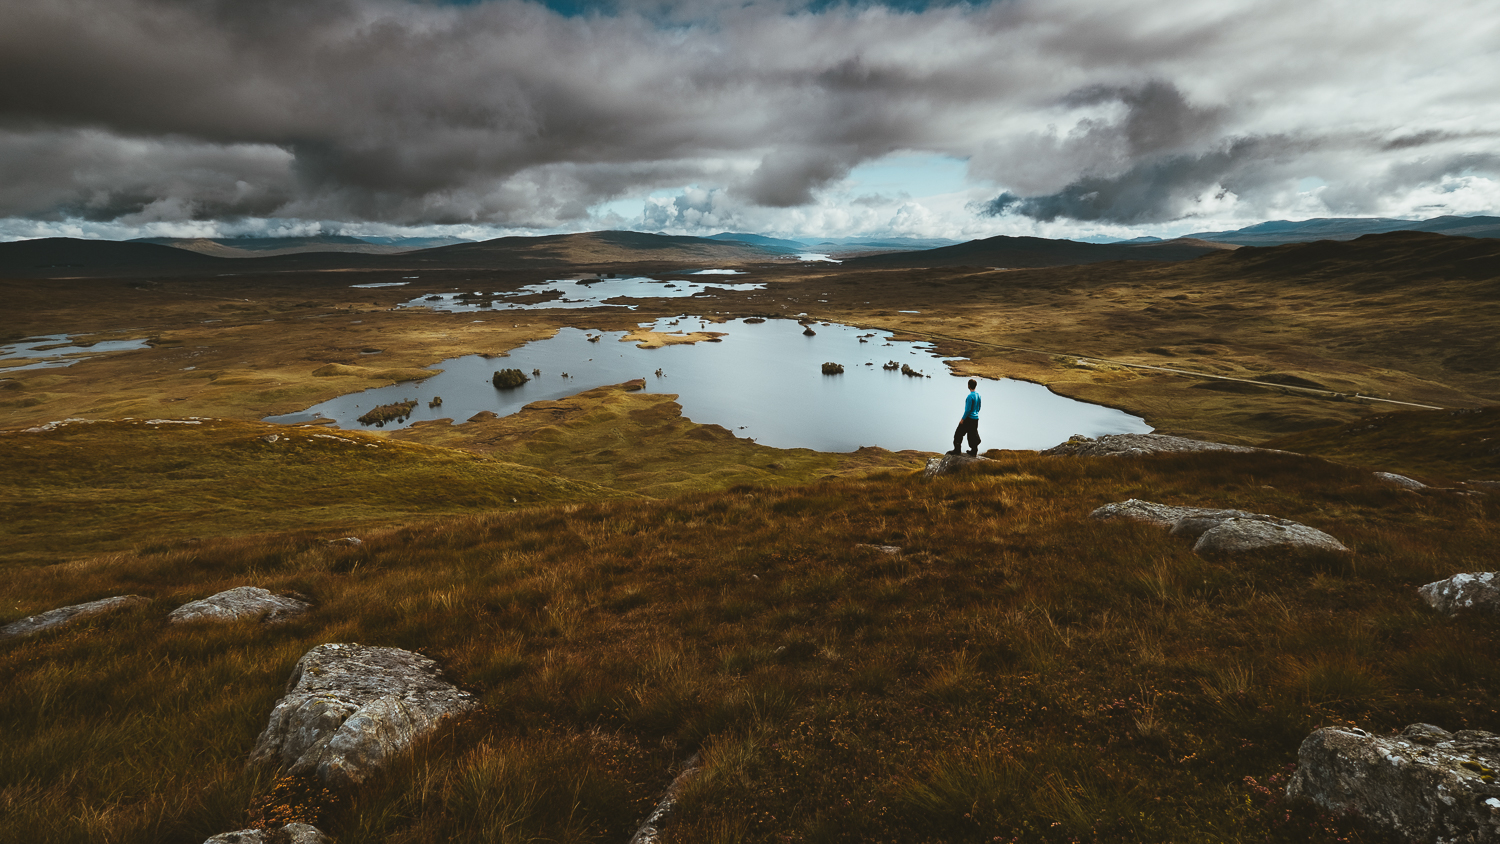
(1221, 531)
(1478, 590)
(63, 616)
(1424, 784)
(349, 709)
(948, 464)
(292, 833)
(1127, 445)
(243, 603)
(1242, 536)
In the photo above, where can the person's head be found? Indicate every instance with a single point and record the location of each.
(973, 384)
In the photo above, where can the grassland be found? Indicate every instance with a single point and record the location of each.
(82, 488)
(623, 588)
(640, 442)
(1017, 671)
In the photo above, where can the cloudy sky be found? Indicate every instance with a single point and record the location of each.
(1060, 118)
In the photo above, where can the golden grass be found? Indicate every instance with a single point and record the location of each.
(88, 487)
(1018, 672)
(640, 442)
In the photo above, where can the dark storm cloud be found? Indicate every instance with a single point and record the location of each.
(1154, 191)
(508, 112)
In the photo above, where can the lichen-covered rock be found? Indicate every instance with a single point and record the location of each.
(63, 616)
(947, 464)
(1241, 536)
(1478, 590)
(1125, 445)
(243, 603)
(350, 708)
(1400, 480)
(1220, 531)
(292, 833)
(1424, 784)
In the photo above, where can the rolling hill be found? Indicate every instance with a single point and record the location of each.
(1029, 252)
(1278, 232)
(60, 257)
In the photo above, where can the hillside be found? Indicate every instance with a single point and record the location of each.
(67, 257)
(876, 659)
(1278, 232)
(262, 247)
(61, 257)
(1027, 252)
(592, 249)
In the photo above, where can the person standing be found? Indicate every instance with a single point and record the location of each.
(969, 424)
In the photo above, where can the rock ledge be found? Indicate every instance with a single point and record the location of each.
(1127, 445)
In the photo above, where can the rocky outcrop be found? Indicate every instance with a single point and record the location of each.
(63, 616)
(1424, 784)
(1125, 445)
(1400, 480)
(1478, 590)
(292, 833)
(350, 708)
(243, 603)
(1218, 531)
(947, 464)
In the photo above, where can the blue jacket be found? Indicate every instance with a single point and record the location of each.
(971, 406)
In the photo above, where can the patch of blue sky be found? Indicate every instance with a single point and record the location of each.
(915, 174)
(628, 208)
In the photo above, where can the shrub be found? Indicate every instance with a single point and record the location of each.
(509, 379)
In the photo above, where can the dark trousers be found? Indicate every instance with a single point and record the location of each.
(970, 427)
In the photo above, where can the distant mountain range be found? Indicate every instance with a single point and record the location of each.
(59, 257)
(247, 247)
(1026, 252)
(836, 246)
(65, 257)
(1278, 232)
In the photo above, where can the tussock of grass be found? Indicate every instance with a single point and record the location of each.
(1017, 672)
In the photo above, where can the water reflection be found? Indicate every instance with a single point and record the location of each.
(54, 351)
(764, 381)
(577, 293)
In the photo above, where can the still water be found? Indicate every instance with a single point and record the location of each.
(579, 293)
(762, 381)
(53, 351)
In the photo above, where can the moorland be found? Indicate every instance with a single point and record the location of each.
(622, 587)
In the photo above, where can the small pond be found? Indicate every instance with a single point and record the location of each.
(578, 293)
(53, 351)
(762, 380)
